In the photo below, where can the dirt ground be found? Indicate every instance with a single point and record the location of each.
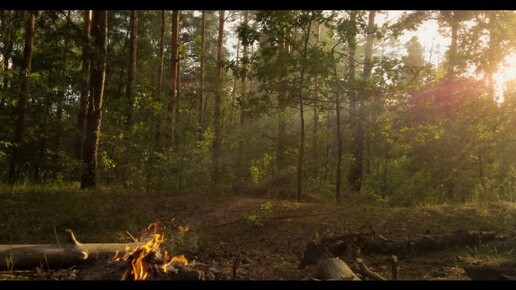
(270, 236)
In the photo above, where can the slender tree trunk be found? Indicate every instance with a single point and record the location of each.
(282, 105)
(302, 120)
(202, 103)
(131, 70)
(96, 103)
(452, 53)
(178, 87)
(339, 149)
(85, 84)
(327, 148)
(12, 25)
(217, 105)
(491, 63)
(157, 132)
(241, 166)
(356, 168)
(173, 74)
(59, 113)
(21, 107)
(315, 127)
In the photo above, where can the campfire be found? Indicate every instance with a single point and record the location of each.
(150, 260)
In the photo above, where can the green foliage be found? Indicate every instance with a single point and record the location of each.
(254, 221)
(258, 220)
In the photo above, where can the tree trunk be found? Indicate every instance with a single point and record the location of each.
(339, 148)
(131, 70)
(241, 166)
(12, 25)
(452, 53)
(173, 75)
(85, 84)
(21, 107)
(217, 105)
(157, 132)
(302, 120)
(96, 103)
(352, 95)
(491, 63)
(59, 114)
(315, 128)
(202, 103)
(356, 168)
(282, 105)
(178, 86)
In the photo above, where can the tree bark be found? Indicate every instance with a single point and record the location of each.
(21, 107)
(96, 102)
(339, 148)
(178, 86)
(452, 53)
(59, 114)
(217, 105)
(173, 74)
(302, 119)
(356, 168)
(202, 103)
(241, 166)
(157, 132)
(351, 40)
(131, 70)
(85, 84)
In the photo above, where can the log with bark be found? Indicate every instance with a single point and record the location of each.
(59, 255)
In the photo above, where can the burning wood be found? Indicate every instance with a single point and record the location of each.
(147, 260)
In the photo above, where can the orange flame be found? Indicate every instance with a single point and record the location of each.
(137, 256)
(176, 261)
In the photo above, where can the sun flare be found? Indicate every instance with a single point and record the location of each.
(506, 72)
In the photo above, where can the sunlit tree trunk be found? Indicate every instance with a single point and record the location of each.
(95, 104)
(21, 107)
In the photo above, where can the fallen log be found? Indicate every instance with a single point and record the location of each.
(333, 269)
(372, 243)
(58, 255)
(491, 271)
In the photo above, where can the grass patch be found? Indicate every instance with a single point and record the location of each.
(41, 213)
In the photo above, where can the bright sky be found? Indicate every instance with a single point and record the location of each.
(435, 46)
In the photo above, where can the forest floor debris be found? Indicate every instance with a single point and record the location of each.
(220, 233)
